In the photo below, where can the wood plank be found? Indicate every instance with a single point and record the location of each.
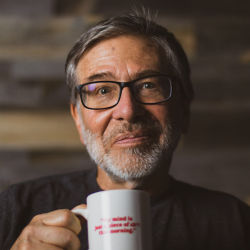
(26, 8)
(37, 130)
(47, 38)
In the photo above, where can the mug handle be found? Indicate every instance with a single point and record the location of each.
(83, 212)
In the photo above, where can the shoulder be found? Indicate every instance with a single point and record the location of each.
(59, 179)
(20, 202)
(191, 191)
(214, 203)
(204, 218)
(50, 188)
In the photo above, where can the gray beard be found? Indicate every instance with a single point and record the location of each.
(132, 163)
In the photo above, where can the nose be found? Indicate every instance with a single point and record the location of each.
(127, 108)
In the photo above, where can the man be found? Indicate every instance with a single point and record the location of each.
(130, 96)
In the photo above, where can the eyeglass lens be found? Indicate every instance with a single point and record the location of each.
(148, 90)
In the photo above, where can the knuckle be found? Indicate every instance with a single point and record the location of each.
(24, 245)
(69, 237)
(72, 241)
(36, 218)
(66, 216)
(28, 231)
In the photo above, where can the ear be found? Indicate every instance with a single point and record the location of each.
(77, 119)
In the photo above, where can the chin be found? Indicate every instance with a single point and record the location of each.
(131, 164)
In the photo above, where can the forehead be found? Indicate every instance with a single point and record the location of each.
(126, 52)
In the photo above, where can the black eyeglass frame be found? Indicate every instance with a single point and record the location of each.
(122, 85)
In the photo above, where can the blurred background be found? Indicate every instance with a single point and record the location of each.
(37, 135)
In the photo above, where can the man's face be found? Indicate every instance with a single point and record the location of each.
(130, 139)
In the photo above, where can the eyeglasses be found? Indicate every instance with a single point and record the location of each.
(147, 90)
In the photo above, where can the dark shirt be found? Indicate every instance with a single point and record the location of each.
(186, 217)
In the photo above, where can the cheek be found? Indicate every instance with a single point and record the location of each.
(96, 120)
(160, 113)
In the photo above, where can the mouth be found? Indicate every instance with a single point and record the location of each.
(131, 139)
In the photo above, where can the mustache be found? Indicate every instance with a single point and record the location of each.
(151, 128)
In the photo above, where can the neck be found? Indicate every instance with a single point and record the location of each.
(155, 184)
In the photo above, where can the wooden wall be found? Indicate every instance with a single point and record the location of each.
(37, 135)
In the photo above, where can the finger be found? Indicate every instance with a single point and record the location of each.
(60, 218)
(24, 244)
(78, 215)
(59, 237)
(83, 206)
(63, 238)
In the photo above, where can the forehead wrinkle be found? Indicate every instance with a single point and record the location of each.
(108, 56)
(88, 70)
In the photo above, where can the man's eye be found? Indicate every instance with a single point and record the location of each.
(148, 85)
(103, 91)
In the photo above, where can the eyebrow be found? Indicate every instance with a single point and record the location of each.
(100, 76)
(108, 75)
(146, 72)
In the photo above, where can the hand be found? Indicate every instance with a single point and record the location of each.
(51, 231)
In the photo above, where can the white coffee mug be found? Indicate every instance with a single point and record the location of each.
(118, 220)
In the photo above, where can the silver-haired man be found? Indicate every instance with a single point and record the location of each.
(130, 98)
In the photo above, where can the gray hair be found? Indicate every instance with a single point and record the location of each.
(138, 24)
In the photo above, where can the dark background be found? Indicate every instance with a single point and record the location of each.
(37, 136)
